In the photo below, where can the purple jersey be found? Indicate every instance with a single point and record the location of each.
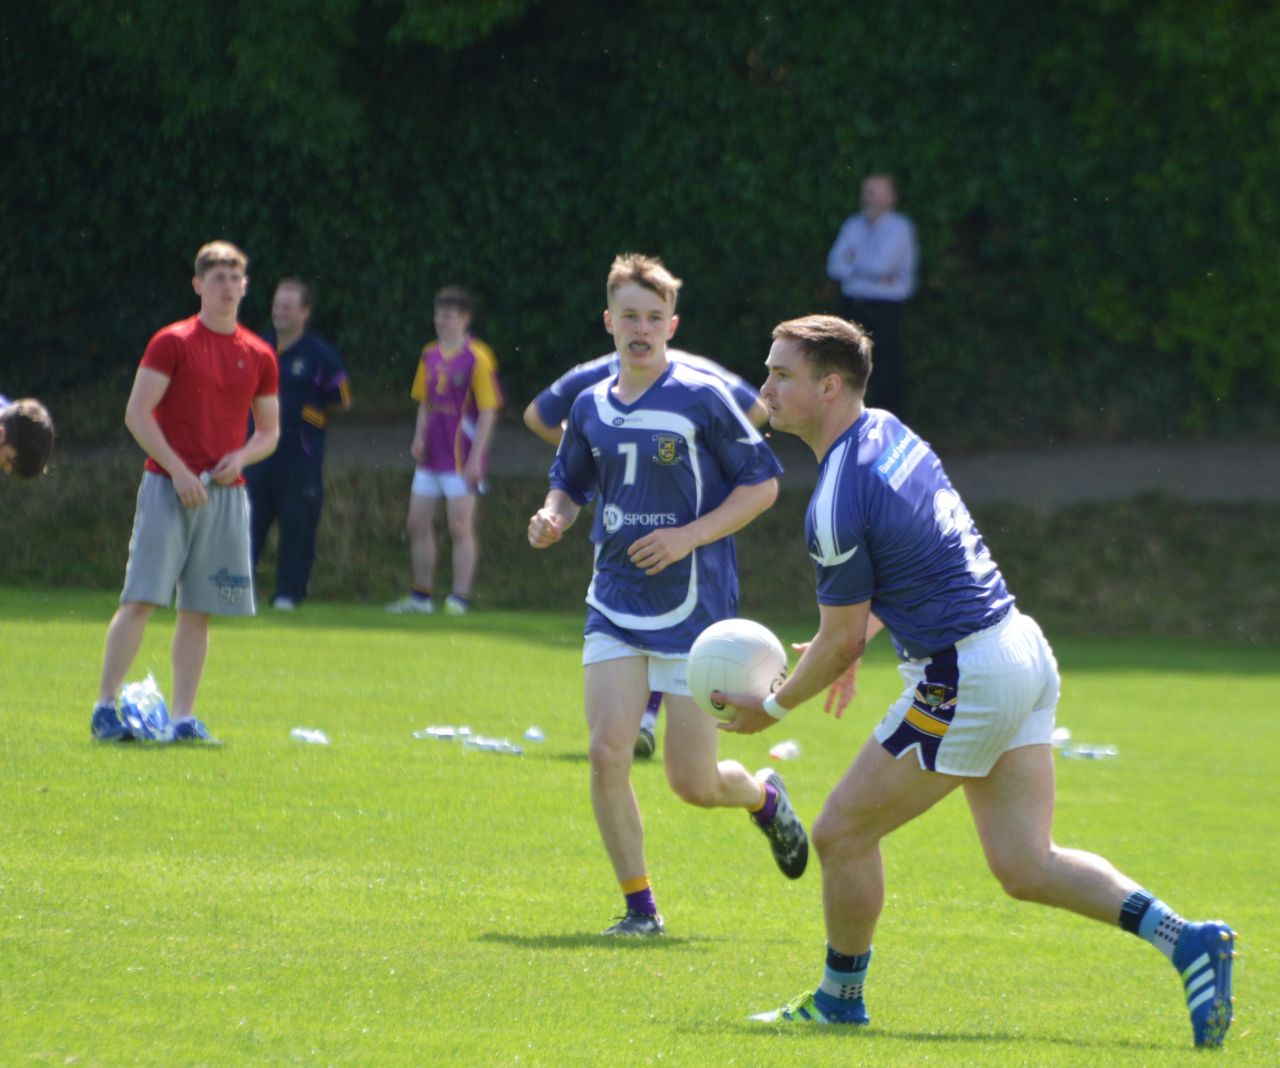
(454, 390)
(884, 524)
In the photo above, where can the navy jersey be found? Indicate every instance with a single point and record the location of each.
(884, 524)
(554, 402)
(312, 383)
(671, 456)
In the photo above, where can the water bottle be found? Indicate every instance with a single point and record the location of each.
(479, 743)
(143, 711)
(1060, 737)
(312, 737)
(443, 734)
(787, 750)
(534, 734)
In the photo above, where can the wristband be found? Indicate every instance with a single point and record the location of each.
(772, 707)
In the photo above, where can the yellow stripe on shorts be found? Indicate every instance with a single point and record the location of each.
(926, 723)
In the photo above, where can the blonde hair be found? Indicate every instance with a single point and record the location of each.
(220, 254)
(647, 271)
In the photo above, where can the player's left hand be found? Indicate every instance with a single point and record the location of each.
(842, 691)
(473, 472)
(751, 717)
(227, 470)
(659, 549)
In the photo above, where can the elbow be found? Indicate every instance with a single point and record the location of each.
(769, 494)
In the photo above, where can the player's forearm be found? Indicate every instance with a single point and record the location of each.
(261, 444)
(147, 433)
(551, 435)
(734, 513)
(562, 505)
(485, 422)
(828, 657)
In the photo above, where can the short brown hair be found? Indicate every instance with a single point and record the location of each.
(294, 282)
(455, 297)
(832, 346)
(219, 254)
(29, 429)
(647, 271)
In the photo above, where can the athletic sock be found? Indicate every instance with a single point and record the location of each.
(650, 718)
(639, 895)
(764, 812)
(842, 981)
(464, 601)
(420, 593)
(1143, 914)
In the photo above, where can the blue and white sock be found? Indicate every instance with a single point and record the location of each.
(1143, 914)
(840, 992)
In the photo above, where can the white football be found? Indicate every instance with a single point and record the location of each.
(735, 656)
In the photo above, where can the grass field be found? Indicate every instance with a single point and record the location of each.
(391, 901)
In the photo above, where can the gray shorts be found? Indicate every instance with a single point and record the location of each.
(202, 553)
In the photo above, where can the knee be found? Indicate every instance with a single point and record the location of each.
(835, 836)
(1022, 878)
(695, 790)
(609, 760)
(826, 834)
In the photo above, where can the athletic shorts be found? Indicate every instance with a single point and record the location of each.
(428, 483)
(962, 708)
(201, 553)
(668, 672)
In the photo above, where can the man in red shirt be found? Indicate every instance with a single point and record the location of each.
(198, 381)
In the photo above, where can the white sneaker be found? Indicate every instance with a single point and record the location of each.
(455, 606)
(410, 605)
(284, 604)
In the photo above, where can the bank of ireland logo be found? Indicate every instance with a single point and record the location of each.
(612, 518)
(666, 454)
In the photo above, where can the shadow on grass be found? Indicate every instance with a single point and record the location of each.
(595, 941)
(856, 1034)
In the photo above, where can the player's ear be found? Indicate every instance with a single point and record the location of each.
(608, 321)
(671, 329)
(195, 283)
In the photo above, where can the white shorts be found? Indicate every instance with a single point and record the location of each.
(428, 483)
(993, 691)
(668, 672)
(201, 553)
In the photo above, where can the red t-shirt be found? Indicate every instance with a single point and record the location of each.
(213, 380)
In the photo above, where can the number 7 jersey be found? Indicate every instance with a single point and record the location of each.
(662, 461)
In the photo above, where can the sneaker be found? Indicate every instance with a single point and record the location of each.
(804, 1009)
(646, 744)
(637, 923)
(786, 835)
(106, 725)
(410, 605)
(284, 604)
(456, 606)
(1203, 957)
(191, 730)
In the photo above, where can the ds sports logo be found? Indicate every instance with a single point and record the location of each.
(615, 519)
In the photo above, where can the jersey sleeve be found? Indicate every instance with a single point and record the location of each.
(554, 402)
(742, 452)
(836, 531)
(574, 468)
(335, 386)
(163, 353)
(484, 378)
(268, 373)
(419, 389)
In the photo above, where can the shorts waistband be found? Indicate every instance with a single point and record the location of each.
(978, 637)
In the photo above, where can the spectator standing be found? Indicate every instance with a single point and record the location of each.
(874, 260)
(198, 383)
(458, 396)
(287, 487)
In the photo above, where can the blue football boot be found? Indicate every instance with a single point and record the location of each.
(1203, 957)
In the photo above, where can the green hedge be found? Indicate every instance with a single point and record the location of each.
(1093, 184)
(1148, 567)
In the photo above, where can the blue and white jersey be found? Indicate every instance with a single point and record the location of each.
(671, 456)
(884, 524)
(554, 402)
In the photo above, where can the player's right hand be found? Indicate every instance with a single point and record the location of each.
(545, 528)
(190, 489)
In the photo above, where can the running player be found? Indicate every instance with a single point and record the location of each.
(677, 469)
(546, 416)
(890, 535)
